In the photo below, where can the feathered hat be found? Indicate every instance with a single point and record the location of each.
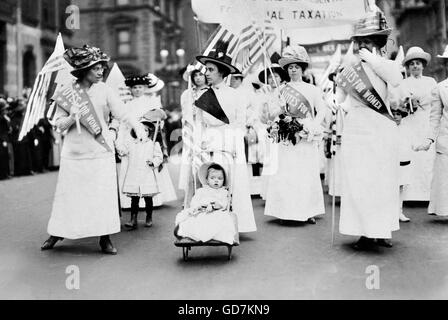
(374, 23)
(83, 58)
(294, 54)
(219, 55)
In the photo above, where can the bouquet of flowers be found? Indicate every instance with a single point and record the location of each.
(406, 107)
(286, 129)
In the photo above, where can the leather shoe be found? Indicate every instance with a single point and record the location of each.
(107, 246)
(363, 243)
(50, 242)
(384, 243)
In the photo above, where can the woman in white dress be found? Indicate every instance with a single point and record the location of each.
(273, 78)
(217, 134)
(417, 125)
(438, 204)
(295, 189)
(86, 203)
(370, 161)
(142, 103)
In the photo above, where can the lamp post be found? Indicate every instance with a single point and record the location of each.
(180, 53)
(164, 55)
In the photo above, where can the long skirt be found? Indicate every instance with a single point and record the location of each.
(86, 200)
(295, 190)
(439, 196)
(421, 168)
(370, 199)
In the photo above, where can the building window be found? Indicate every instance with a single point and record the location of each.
(29, 68)
(124, 44)
(30, 12)
(122, 2)
(49, 13)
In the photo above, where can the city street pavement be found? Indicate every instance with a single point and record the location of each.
(294, 261)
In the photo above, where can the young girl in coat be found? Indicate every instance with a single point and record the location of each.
(208, 217)
(140, 179)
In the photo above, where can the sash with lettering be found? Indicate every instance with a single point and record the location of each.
(74, 94)
(354, 80)
(296, 103)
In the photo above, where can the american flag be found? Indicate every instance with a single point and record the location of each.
(244, 49)
(220, 34)
(197, 156)
(43, 88)
(254, 41)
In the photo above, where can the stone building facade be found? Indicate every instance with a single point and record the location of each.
(157, 36)
(28, 31)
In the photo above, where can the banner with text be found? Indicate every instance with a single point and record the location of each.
(286, 14)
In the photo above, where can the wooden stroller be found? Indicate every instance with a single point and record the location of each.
(227, 160)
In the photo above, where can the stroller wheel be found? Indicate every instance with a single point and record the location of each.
(185, 253)
(229, 257)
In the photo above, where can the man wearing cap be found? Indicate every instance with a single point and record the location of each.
(370, 189)
(438, 204)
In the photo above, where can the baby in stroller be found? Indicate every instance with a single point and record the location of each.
(209, 216)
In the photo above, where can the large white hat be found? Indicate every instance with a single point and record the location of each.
(445, 54)
(294, 54)
(154, 83)
(416, 53)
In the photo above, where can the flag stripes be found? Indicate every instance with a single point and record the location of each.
(43, 88)
(220, 34)
(254, 41)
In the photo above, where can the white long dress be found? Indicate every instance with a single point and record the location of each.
(370, 163)
(439, 132)
(217, 135)
(295, 189)
(86, 201)
(271, 104)
(137, 108)
(416, 128)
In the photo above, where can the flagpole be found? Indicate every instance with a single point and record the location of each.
(333, 173)
(198, 33)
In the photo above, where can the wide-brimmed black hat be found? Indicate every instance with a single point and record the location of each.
(83, 58)
(136, 80)
(219, 55)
